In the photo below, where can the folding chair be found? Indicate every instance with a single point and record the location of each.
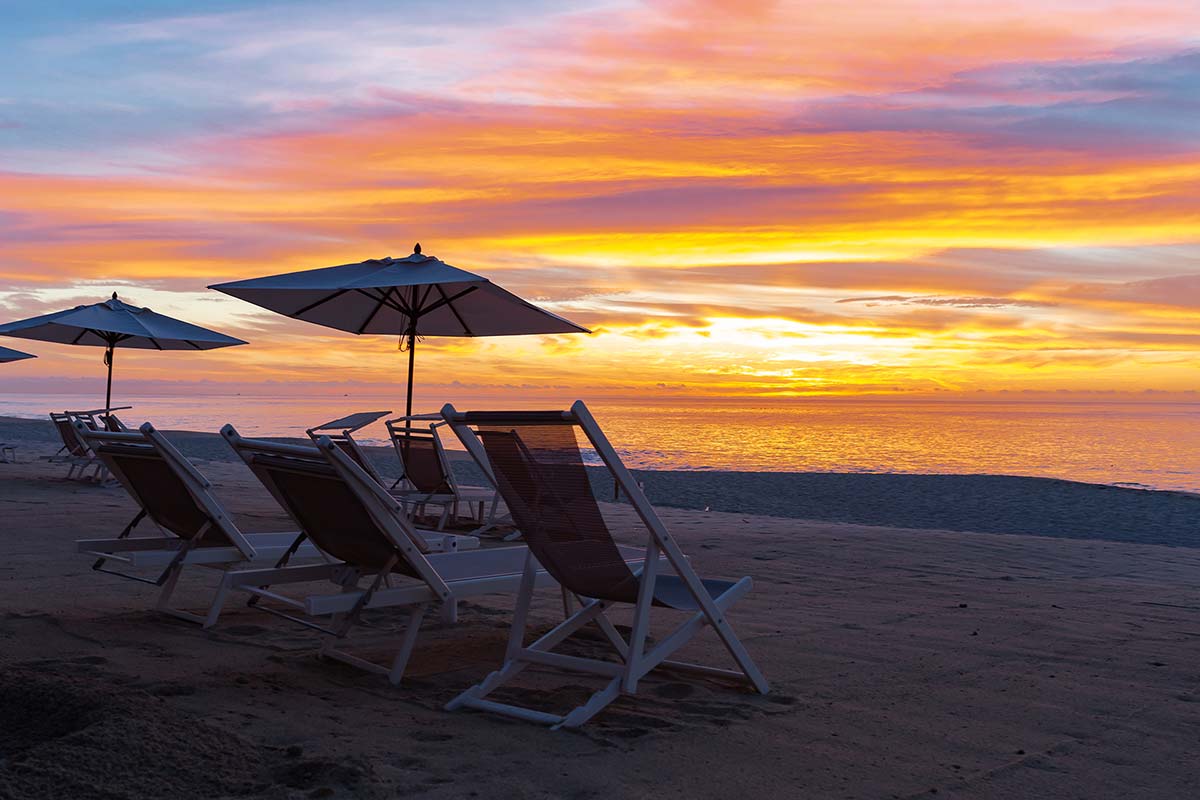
(428, 479)
(354, 520)
(113, 424)
(538, 468)
(75, 452)
(341, 432)
(195, 528)
(101, 418)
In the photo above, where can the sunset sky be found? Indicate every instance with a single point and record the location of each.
(742, 199)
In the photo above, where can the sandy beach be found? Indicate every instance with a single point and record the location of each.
(957, 636)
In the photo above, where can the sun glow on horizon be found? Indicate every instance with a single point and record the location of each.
(753, 199)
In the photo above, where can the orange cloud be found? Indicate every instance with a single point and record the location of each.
(707, 185)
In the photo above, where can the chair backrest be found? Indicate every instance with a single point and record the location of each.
(422, 458)
(88, 418)
(539, 471)
(173, 493)
(113, 424)
(345, 442)
(343, 510)
(65, 425)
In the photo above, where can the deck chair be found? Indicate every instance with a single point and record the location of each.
(101, 418)
(428, 479)
(75, 452)
(383, 561)
(113, 424)
(8, 453)
(194, 528)
(341, 432)
(539, 470)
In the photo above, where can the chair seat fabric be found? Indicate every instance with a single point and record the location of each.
(671, 592)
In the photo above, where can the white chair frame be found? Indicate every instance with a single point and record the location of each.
(637, 660)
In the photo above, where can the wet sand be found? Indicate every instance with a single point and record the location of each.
(902, 661)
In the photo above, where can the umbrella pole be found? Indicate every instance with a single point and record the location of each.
(108, 359)
(412, 343)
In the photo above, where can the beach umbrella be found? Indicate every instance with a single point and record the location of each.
(113, 324)
(7, 355)
(409, 297)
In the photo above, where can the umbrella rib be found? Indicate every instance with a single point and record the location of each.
(83, 333)
(453, 310)
(396, 304)
(383, 300)
(448, 300)
(323, 300)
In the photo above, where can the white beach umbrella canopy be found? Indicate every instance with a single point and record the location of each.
(113, 323)
(410, 297)
(8, 354)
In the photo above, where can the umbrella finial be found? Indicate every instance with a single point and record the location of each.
(417, 248)
(114, 297)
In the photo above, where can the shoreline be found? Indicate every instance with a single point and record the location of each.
(973, 503)
(47, 435)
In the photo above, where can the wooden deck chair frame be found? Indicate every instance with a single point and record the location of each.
(636, 659)
(168, 551)
(440, 577)
(401, 427)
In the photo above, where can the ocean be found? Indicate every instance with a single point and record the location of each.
(1140, 444)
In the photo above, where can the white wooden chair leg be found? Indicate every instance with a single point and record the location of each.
(164, 599)
(641, 619)
(168, 589)
(519, 657)
(516, 640)
(407, 644)
(449, 612)
(595, 704)
(516, 633)
(214, 610)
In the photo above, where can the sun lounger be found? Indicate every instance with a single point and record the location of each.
(355, 521)
(428, 478)
(538, 468)
(75, 452)
(341, 433)
(101, 419)
(431, 467)
(194, 528)
(113, 424)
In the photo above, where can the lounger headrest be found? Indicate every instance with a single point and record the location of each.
(309, 466)
(127, 449)
(516, 418)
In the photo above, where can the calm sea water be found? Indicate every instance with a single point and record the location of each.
(1153, 445)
